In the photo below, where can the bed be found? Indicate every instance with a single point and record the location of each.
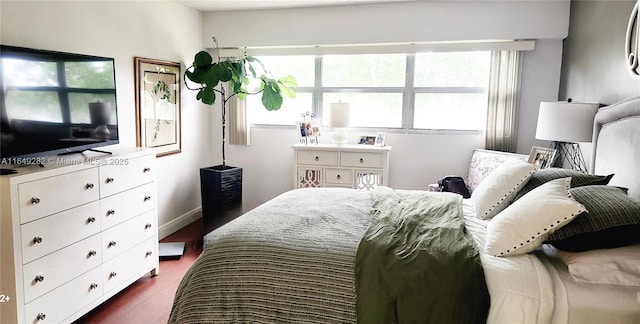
(331, 255)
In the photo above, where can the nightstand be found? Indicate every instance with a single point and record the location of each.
(348, 166)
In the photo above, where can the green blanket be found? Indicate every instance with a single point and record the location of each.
(417, 264)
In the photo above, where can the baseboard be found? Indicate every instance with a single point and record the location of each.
(179, 222)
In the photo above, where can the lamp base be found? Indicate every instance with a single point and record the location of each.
(339, 136)
(571, 154)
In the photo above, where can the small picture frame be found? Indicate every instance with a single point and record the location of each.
(542, 157)
(367, 140)
(380, 138)
(308, 131)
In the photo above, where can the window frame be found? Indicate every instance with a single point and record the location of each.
(408, 92)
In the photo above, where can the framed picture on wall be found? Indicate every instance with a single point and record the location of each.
(542, 157)
(157, 92)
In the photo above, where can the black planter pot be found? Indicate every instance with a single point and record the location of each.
(221, 191)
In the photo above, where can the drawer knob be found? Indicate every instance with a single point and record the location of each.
(41, 317)
(91, 220)
(92, 253)
(93, 286)
(111, 244)
(110, 180)
(37, 240)
(35, 200)
(339, 177)
(110, 212)
(317, 158)
(38, 278)
(361, 160)
(147, 198)
(149, 253)
(146, 170)
(148, 226)
(89, 185)
(112, 274)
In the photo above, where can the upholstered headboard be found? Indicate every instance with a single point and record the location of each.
(616, 144)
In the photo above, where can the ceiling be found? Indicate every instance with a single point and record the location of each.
(217, 5)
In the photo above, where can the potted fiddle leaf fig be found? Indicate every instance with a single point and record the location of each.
(221, 79)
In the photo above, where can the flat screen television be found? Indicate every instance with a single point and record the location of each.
(54, 103)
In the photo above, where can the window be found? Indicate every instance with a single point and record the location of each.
(435, 90)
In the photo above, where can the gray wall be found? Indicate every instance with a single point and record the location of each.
(593, 62)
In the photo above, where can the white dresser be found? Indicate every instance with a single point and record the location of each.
(350, 166)
(74, 233)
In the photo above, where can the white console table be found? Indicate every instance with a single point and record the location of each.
(349, 166)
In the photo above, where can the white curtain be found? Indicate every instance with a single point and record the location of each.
(504, 90)
(238, 125)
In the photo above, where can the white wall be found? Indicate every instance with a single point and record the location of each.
(158, 30)
(416, 159)
(169, 31)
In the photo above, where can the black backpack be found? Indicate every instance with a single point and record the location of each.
(454, 184)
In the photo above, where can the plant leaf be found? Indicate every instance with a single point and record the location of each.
(208, 96)
(223, 70)
(202, 59)
(287, 86)
(210, 78)
(271, 97)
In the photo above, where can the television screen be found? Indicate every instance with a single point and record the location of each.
(54, 103)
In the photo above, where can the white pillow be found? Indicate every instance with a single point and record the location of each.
(523, 226)
(619, 266)
(500, 187)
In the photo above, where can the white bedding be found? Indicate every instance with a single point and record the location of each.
(520, 287)
(537, 288)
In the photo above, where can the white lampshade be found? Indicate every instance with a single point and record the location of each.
(566, 121)
(339, 115)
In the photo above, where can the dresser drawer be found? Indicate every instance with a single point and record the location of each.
(362, 160)
(53, 270)
(129, 264)
(126, 205)
(124, 236)
(338, 176)
(65, 300)
(51, 195)
(51, 233)
(318, 158)
(126, 174)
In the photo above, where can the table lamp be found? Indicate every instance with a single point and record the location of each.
(566, 124)
(339, 119)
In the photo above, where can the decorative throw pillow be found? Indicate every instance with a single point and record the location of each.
(578, 179)
(525, 224)
(499, 188)
(619, 266)
(613, 221)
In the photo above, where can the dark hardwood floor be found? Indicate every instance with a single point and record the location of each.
(149, 299)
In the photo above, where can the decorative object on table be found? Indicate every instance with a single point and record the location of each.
(567, 124)
(308, 130)
(367, 140)
(380, 138)
(542, 157)
(228, 79)
(339, 119)
(100, 115)
(157, 97)
(631, 46)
